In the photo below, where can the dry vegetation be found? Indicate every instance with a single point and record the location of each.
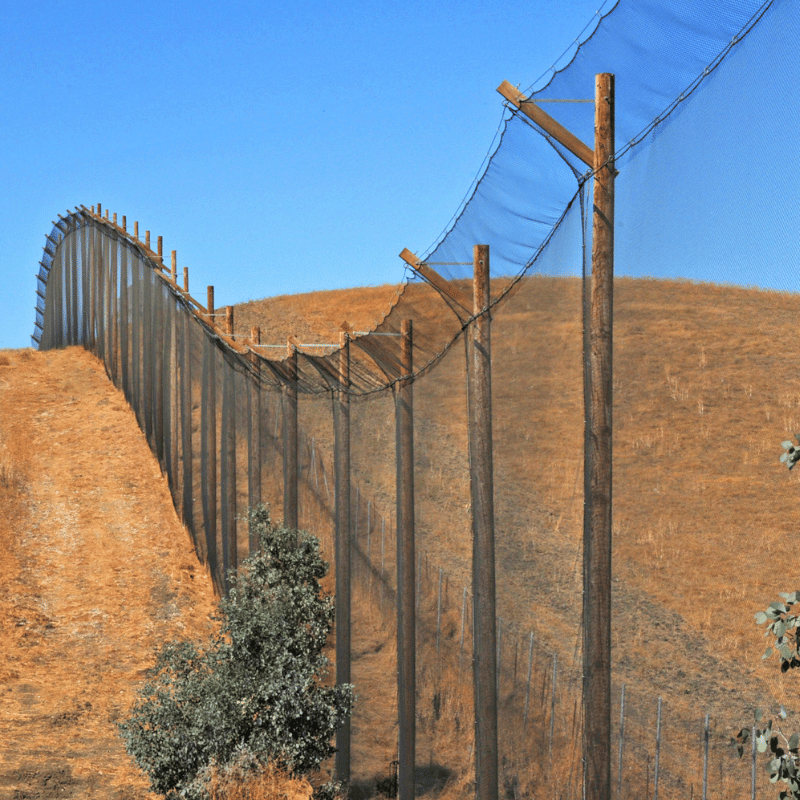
(705, 391)
(96, 572)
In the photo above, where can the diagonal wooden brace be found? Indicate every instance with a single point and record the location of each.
(547, 123)
(437, 281)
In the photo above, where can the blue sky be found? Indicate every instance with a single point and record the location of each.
(278, 147)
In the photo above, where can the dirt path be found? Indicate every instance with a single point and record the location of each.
(96, 572)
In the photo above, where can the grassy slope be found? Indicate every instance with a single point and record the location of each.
(96, 571)
(705, 391)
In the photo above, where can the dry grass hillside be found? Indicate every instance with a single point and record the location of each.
(99, 571)
(706, 387)
(96, 573)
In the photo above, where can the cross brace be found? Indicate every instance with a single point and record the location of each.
(547, 123)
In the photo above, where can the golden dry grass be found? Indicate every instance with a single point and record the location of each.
(97, 573)
(706, 388)
(266, 784)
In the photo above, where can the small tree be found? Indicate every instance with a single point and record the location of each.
(254, 693)
(782, 620)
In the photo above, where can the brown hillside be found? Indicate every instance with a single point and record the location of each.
(96, 571)
(706, 388)
(100, 571)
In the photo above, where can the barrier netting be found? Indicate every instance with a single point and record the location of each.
(705, 389)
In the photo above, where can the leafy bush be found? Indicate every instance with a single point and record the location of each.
(782, 622)
(255, 691)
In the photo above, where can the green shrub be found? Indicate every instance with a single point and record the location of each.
(256, 687)
(782, 621)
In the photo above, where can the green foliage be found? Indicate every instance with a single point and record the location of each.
(256, 688)
(782, 754)
(792, 454)
(782, 623)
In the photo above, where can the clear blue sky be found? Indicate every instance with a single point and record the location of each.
(278, 147)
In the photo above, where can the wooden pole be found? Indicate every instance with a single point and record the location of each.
(173, 272)
(187, 504)
(229, 320)
(210, 386)
(186, 280)
(254, 448)
(92, 283)
(160, 246)
(343, 545)
(228, 489)
(406, 579)
(483, 565)
(290, 442)
(597, 512)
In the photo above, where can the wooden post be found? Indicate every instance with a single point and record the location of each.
(597, 511)
(124, 223)
(173, 273)
(160, 249)
(186, 280)
(290, 441)
(136, 230)
(228, 492)
(254, 448)
(92, 283)
(406, 579)
(147, 240)
(343, 545)
(209, 452)
(187, 503)
(210, 304)
(229, 320)
(157, 386)
(483, 564)
(115, 217)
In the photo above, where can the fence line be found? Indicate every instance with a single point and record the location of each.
(199, 396)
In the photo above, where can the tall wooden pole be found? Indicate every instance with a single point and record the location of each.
(254, 446)
(343, 547)
(210, 450)
(483, 565)
(187, 504)
(597, 513)
(290, 443)
(228, 453)
(406, 579)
